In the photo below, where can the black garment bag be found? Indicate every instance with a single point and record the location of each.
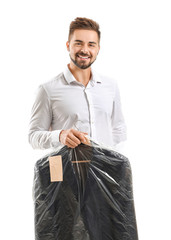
(93, 202)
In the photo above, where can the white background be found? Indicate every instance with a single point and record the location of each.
(135, 50)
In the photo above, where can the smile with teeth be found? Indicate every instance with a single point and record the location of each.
(86, 57)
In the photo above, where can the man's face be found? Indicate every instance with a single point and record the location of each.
(83, 47)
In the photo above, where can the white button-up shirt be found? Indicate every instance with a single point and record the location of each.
(64, 103)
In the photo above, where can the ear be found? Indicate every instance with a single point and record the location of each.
(67, 45)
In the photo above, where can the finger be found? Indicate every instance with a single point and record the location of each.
(84, 133)
(71, 143)
(70, 146)
(80, 135)
(83, 138)
(86, 141)
(74, 139)
(76, 132)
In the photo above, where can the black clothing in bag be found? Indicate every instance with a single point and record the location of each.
(93, 202)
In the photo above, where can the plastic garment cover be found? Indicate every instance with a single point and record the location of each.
(93, 202)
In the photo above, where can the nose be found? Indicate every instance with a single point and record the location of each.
(84, 49)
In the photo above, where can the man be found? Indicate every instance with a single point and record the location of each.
(78, 102)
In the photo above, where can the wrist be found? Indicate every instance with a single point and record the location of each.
(60, 135)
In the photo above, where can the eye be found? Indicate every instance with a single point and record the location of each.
(78, 44)
(92, 45)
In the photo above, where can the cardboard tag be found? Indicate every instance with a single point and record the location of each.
(56, 170)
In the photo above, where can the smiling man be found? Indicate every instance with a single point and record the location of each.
(83, 52)
(78, 102)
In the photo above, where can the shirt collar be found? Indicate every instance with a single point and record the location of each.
(95, 77)
(70, 78)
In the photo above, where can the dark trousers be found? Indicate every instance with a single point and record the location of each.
(93, 202)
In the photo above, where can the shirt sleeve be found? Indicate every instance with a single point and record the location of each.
(40, 136)
(119, 131)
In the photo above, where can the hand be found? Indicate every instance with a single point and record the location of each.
(72, 138)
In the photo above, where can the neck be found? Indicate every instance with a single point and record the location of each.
(81, 75)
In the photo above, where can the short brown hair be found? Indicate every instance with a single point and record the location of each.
(83, 23)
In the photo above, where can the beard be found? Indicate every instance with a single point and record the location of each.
(81, 64)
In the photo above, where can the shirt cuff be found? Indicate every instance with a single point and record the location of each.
(55, 138)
